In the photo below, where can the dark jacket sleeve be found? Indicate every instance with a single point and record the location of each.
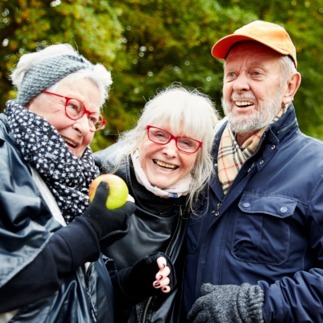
(67, 249)
(36, 254)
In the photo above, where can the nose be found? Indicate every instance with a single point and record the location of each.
(170, 148)
(82, 124)
(241, 83)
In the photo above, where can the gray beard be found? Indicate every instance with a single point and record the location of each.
(250, 124)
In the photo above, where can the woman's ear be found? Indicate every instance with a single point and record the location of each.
(293, 84)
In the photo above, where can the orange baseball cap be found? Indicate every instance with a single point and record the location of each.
(266, 33)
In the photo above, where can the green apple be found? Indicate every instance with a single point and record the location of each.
(118, 190)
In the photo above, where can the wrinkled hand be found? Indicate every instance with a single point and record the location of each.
(228, 303)
(110, 225)
(149, 276)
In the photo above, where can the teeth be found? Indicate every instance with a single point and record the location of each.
(243, 103)
(162, 164)
(70, 143)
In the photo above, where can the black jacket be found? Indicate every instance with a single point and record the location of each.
(158, 225)
(40, 273)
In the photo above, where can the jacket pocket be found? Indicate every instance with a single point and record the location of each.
(262, 229)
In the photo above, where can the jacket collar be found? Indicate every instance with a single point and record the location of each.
(285, 126)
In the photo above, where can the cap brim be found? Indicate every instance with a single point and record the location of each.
(221, 48)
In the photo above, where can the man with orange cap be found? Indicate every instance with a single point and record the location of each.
(255, 252)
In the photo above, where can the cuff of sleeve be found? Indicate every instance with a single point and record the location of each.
(82, 241)
(251, 300)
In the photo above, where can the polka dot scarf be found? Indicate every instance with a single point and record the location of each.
(43, 148)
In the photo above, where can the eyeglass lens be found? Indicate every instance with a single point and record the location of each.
(163, 137)
(75, 110)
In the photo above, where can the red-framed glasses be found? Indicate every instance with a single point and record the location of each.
(163, 137)
(75, 109)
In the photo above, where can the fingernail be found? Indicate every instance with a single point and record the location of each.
(160, 277)
(156, 284)
(164, 289)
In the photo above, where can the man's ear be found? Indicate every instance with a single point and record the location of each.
(293, 84)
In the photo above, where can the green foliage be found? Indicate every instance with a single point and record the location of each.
(149, 44)
(90, 26)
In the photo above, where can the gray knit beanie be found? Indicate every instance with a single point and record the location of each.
(48, 72)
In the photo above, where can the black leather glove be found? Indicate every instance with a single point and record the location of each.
(110, 225)
(228, 303)
(135, 283)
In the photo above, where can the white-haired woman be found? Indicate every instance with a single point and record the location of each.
(166, 162)
(48, 231)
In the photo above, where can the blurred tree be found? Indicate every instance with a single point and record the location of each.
(149, 44)
(90, 26)
(167, 41)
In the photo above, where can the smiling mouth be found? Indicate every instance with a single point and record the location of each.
(70, 143)
(164, 165)
(243, 104)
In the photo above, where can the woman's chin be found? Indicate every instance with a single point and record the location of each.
(161, 183)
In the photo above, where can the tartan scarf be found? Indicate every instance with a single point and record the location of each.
(43, 148)
(231, 156)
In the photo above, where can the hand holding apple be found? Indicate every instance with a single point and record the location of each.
(118, 190)
(109, 224)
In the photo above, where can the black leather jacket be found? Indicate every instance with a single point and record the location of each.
(158, 225)
(37, 293)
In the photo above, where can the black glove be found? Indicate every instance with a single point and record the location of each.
(135, 283)
(110, 225)
(228, 303)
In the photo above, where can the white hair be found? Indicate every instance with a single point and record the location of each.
(190, 112)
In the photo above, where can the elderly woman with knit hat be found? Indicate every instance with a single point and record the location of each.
(51, 268)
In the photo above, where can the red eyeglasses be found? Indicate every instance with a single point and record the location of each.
(163, 137)
(75, 109)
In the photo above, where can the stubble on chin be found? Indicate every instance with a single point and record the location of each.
(242, 124)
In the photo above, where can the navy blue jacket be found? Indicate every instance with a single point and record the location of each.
(268, 229)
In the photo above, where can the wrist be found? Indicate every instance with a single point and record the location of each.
(72, 234)
(250, 302)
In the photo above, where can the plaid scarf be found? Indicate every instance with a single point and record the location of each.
(231, 156)
(43, 148)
